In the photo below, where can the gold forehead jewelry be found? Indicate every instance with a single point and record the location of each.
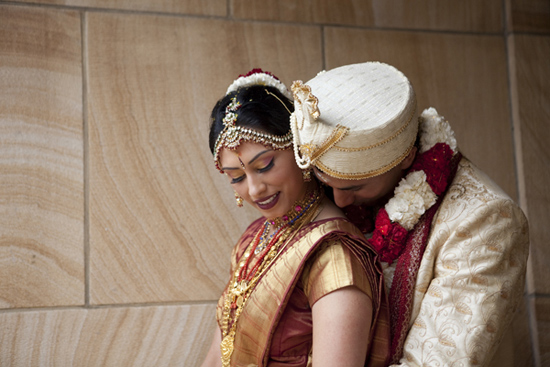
(232, 135)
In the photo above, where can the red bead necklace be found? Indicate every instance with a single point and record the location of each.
(244, 274)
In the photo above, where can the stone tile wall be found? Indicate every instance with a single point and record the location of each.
(115, 228)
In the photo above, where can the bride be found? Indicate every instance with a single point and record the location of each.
(305, 288)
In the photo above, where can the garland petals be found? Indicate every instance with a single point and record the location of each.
(412, 197)
(388, 238)
(435, 164)
(427, 179)
(435, 129)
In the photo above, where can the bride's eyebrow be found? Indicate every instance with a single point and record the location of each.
(249, 162)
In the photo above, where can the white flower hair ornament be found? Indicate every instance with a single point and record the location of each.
(259, 77)
(232, 134)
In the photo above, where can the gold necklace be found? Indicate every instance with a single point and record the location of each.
(297, 210)
(242, 284)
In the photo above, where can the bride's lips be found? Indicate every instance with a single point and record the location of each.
(268, 202)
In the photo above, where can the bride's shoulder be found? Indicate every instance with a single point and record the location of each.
(329, 210)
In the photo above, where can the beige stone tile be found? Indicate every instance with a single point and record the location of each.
(41, 158)
(463, 76)
(135, 336)
(542, 305)
(529, 16)
(350, 12)
(162, 220)
(469, 15)
(531, 80)
(523, 349)
(199, 7)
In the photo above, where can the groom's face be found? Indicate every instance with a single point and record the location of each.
(371, 191)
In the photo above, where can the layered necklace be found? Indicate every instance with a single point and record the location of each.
(266, 249)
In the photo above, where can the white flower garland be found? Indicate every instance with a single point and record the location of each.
(435, 129)
(413, 196)
(259, 78)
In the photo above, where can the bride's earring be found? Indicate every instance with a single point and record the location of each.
(306, 174)
(239, 200)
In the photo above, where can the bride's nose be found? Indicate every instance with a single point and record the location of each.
(256, 187)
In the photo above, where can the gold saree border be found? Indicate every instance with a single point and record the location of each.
(266, 304)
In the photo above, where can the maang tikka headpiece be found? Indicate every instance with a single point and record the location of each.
(232, 135)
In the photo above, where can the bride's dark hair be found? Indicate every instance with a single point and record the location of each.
(259, 110)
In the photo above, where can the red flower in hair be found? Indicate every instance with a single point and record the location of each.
(258, 71)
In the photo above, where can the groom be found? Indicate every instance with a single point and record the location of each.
(453, 245)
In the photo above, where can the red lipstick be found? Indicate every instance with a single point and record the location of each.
(267, 202)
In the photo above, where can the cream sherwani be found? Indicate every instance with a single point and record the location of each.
(471, 277)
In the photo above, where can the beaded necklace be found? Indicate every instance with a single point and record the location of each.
(247, 275)
(298, 209)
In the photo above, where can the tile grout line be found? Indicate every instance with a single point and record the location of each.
(533, 329)
(84, 53)
(111, 306)
(515, 123)
(515, 126)
(323, 48)
(231, 18)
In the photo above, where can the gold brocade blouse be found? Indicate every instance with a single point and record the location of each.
(333, 267)
(330, 268)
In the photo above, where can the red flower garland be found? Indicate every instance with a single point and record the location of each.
(436, 165)
(389, 238)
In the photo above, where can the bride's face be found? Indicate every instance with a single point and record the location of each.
(267, 179)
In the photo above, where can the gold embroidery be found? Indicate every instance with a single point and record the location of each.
(303, 96)
(240, 289)
(479, 280)
(435, 292)
(494, 247)
(447, 341)
(463, 308)
(450, 265)
(337, 134)
(395, 135)
(419, 323)
(360, 176)
(491, 327)
(478, 304)
(463, 232)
